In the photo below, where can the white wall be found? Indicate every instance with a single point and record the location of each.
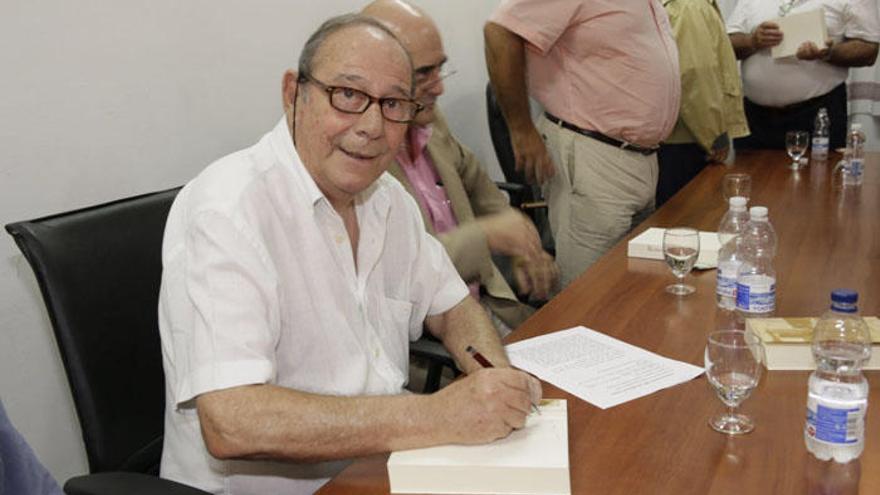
(101, 99)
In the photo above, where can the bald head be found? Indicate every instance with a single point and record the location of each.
(419, 35)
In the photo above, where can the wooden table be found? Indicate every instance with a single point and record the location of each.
(829, 237)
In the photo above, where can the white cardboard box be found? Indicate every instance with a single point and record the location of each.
(649, 244)
(798, 28)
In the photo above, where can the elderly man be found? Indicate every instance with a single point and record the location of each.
(606, 73)
(295, 275)
(785, 94)
(458, 201)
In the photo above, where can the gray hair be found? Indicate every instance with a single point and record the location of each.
(334, 24)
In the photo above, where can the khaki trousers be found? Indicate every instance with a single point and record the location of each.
(599, 193)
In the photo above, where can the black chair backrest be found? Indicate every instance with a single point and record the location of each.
(99, 271)
(501, 139)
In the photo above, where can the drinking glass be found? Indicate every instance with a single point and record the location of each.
(681, 246)
(736, 185)
(796, 146)
(734, 360)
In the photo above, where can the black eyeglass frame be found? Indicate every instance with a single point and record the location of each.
(331, 90)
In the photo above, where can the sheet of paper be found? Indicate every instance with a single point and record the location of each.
(798, 28)
(597, 368)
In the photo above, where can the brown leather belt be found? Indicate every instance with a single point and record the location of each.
(600, 137)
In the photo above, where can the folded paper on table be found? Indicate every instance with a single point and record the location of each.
(787, 341)
(597, 368)
(649, 244)
(799, 28)
(530, 461)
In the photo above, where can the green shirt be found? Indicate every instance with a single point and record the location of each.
(711, 91)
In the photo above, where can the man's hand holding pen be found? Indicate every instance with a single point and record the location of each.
(488, 404)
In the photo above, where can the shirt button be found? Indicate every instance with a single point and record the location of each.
(339, 239)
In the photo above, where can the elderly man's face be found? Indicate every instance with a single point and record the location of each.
(428, 58)
(344, 152)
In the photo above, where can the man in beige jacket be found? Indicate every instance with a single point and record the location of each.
(460, 204)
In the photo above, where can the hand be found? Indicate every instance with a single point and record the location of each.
(530, 153)
(487, 405)
(766, 35)
(536, 276)
(718, 155)
(511, 233)
(809, 51)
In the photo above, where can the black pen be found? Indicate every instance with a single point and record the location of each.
(485, 363)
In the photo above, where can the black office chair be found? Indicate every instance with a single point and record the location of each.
(99, 271)
(523, 195)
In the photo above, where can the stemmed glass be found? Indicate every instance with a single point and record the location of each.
(736, 185)
(796, 146)
(681, 246)
(734, 360)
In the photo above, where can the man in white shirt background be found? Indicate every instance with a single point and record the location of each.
(296, 273)
(786, 93)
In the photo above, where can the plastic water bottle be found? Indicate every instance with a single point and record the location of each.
(838, 391)
(733, 224)
(821, 133)
(756, 279)
(854, 158)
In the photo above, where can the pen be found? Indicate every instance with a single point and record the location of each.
(485, 363)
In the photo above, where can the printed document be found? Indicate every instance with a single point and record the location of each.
(597, 368)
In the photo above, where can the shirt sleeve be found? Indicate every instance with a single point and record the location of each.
(232, 291)
(739, 21)
(540, 22)
(862, 21)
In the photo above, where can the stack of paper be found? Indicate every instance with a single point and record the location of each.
(787, 341)
(530, 461)
(649, 244)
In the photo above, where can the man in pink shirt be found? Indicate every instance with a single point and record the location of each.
(460, 204)
(606, 73)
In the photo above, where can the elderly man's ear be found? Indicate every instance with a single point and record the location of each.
(288, 89)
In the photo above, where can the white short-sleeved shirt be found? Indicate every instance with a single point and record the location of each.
(779, 82)
(260, 286)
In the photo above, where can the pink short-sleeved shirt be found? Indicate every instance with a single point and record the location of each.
(605, 65)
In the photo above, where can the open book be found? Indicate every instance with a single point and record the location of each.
(788, 341)
(530, 461)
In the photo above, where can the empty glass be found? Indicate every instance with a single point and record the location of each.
(736, 185)
(796, 146)
(734, 361)
(681, 246)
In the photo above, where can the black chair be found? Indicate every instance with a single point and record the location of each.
(523, 195)
(99, 271)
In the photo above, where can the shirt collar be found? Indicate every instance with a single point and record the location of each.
(418, 137)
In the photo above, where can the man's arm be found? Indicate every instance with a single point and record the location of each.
(847, 53)
(505, 59)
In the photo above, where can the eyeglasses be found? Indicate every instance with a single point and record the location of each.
(354, 101)
(432, 75)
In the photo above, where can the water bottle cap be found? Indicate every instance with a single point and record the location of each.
(845, 296)
(855, 126)
(758, 213)
(823, 110)
(738, 202)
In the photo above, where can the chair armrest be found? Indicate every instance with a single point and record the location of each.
(126, 483)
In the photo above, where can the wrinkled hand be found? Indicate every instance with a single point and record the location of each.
(767, 34)
(511, 233)
(487, 405)
(532, 158)
(718, 155)
(536, 276)
(809, 51)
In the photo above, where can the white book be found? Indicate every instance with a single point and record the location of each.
(649, 244)
(529, 461)
(798, 28)
(788, 342)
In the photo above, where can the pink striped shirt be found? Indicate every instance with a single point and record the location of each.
(605, 65)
